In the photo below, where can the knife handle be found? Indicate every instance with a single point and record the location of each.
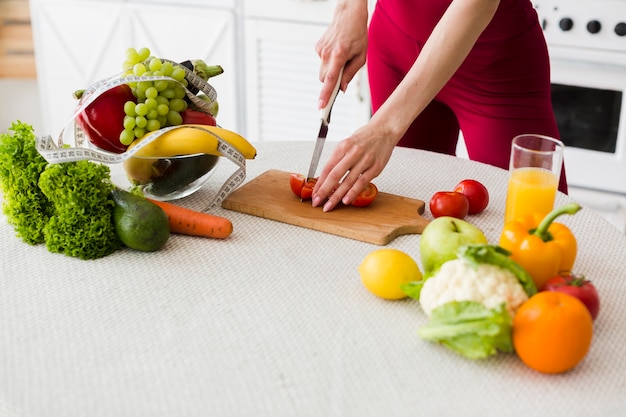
(325, 112)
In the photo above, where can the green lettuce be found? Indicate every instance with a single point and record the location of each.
(470, 329)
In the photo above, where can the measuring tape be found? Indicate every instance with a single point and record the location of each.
(61, 152)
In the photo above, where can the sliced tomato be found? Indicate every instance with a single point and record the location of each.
(366, 197)
(302, 188)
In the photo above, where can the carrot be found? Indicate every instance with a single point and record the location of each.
(195, 223)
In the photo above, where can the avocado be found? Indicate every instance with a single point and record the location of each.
(139, 223)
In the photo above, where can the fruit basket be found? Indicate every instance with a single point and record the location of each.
(157, 121)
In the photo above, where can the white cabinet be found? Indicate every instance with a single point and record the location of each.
(282, 85)
(282, 73)
(80, 42)
(270, 87)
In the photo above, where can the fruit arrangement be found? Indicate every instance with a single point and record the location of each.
(518, 296)
(168, 108)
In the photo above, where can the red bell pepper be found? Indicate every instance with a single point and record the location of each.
(103, 119)
(195, 117)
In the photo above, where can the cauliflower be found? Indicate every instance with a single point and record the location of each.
(458, 280)
(471, 301)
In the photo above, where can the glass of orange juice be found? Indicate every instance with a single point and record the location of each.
(534, 172)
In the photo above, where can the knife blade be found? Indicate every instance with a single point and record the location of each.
(323, 132)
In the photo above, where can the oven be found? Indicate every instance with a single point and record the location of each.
(587, 45)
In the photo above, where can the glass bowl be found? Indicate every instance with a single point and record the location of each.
(170, 178)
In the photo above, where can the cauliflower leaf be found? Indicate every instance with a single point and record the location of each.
(470, 329)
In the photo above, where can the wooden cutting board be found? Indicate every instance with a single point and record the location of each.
(270, 197)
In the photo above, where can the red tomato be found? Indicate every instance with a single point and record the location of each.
(578, 287)
(449, 203)
(366, 197)
(476, 194)
(302, 188)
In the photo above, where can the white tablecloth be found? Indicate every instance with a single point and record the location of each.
(274, 322)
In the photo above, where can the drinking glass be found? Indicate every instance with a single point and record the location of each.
(534, 172)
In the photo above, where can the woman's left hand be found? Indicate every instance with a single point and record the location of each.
(354, 162)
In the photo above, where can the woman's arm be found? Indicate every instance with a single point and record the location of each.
(362, 156)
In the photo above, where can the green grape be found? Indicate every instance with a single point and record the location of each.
(139, 69)
(174, 118)
(162, 109)
(151, 103)
(178, 73)
(161, 85)
(162, 100)
(152, 114)
(144, 53)
(168, 93)
(177, 104)
(127, 136)
(162, 119)
(132, 56)
(155, 64)
(129, 108)
(141, 109)
(167, 68)
(141, 121)
(153, 125)
(152, 92)
(139, 132)
(129, 122)
(180, 92)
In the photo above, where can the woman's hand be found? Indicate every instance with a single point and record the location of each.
(354, 162)
(343, 45)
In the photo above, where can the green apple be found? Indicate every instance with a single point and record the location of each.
(441, 239)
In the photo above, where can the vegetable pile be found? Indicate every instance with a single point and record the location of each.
(518, 296)
(74, 208)
(66, 206)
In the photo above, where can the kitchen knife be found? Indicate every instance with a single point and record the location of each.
(321, 136)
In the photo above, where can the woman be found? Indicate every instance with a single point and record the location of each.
(435, 66)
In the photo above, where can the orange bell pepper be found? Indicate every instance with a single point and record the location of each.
(543, 248)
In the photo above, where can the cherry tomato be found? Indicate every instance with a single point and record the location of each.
(302, 188)
(449, 203)
(578, 287)
(366, 197)
(476, 194)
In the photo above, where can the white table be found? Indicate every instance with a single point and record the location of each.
(274, 322)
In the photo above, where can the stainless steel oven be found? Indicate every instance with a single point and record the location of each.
(587, 44)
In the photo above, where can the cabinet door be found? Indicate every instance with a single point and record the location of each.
(74, 50)
(282, 85)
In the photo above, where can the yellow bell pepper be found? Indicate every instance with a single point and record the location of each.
(543, 248)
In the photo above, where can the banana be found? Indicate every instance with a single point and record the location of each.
(194, 139)
(235, 140)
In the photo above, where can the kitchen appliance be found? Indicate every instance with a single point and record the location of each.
(389, 216)
(587, 45)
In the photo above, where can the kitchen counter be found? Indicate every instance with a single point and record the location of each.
(274, 322)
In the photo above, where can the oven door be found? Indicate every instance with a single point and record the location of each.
(590, 106)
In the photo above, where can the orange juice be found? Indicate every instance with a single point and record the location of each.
(530, 190)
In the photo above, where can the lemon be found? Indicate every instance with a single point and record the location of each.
(384, 270)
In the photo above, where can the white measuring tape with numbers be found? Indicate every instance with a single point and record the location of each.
(59, 152)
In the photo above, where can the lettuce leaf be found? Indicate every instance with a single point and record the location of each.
(470, 329)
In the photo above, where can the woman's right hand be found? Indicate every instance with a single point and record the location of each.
(343, 45)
